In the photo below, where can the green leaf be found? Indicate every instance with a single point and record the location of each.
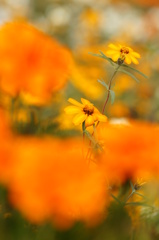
(130, 74)
(107, 58)
(139, 204)
(103, 84)
(112, 96)
(139, 194)
(135, 70)
(132, 186)
(102, 55)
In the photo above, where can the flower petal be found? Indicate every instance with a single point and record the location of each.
(134, 60)
(115, 56)
(112, 46)
(111, 52)
(79, 118)
(72, 110)
(102, 118)
(127, 59)
(85, 101)
(74, 102)
(135, 54)
(89, 121)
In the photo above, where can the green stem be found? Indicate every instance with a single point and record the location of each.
(109, 87)
(131, 194)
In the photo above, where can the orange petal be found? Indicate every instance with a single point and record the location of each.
(79, 118)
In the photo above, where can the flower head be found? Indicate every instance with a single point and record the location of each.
(84, 111)
(122, 53)
(33, 62)
(50, 180)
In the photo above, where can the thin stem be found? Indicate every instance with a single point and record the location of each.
(83, 129)
(109, 87)
(130, 196)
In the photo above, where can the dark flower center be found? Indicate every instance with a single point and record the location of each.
(89, 110)
(124, 50)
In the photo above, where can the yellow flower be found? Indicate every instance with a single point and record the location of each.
(119, 52)
(84, 111)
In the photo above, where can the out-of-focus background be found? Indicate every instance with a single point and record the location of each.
(89, 26)
(85, 26)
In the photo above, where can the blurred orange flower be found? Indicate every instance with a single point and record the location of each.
(130, 150)
(51, 181)
(85, 112)
(119, 52)
(31, 61)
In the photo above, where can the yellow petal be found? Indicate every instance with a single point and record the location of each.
(111, 52)
(96, 110)
(85, 101)
(134, 60)
(72, 110)
(89, 121)
(74, 102)
(102, 118)
(135, 54)
(127, 59)
(115, 57)
(79, 118)
(113, 46)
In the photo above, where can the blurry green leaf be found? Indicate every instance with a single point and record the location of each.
(103, 83)
(112, 96)
(130, 74)
(135, 70)
(107, 58)
(132, 186)
(139, 204)
(139, 194)
(102, 55)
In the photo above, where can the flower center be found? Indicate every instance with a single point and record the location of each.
(88, 109)
(124, 50)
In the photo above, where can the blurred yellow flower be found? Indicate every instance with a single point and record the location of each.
(84, 111)
(119, 52)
